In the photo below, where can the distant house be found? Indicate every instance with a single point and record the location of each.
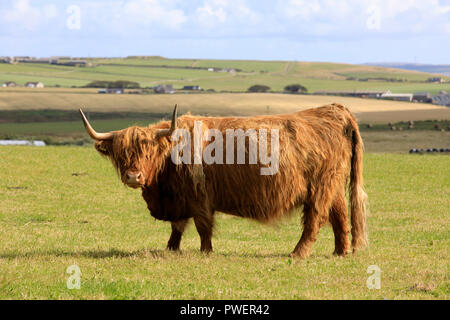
(211, 69)
(61, 58)
(34, 85)
(6, 60)
(397, 96)
(164, 88)
(192, 88)
(36, 143)
(442, 99)
(424, 97)
(73, 63)
(229, 70)
(111, 91)
(40, 60)
(115, 90)
(436, 80)
(9, 84)
(357, 94)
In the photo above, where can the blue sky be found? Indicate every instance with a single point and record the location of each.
(354, 31)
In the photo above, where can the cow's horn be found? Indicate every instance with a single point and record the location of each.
(173, 125)
(95, 135)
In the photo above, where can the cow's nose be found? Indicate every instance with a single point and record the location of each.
(134, 178)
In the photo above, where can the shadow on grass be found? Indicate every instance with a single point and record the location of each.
(146, 253)
(94, 254)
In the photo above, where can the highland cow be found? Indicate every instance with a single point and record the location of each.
(320, 153)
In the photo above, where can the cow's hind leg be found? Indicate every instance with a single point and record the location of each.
(204, 225)
(177, 232)
(338, 219)
(313, 220)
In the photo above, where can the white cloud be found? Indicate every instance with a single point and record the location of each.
(153, 11)
(302, 8)
(208, 15)
(337, 17)
(23, 15)
(234, 12)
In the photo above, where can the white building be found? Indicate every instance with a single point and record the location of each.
(397, 96)
(36, 143)
(34, 85)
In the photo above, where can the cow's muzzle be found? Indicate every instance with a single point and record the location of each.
(134, 179)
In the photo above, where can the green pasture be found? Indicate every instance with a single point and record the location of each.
(151, 71)
(63, 206)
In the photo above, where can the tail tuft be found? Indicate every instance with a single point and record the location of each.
(358, 197)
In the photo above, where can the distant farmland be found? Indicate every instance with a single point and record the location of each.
(212, 104)
(149, 72)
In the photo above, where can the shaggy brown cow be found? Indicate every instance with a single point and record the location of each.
(320, 151)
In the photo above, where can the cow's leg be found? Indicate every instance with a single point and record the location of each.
(177, 232)
(312, 222)
(204, 225)
(338, 219)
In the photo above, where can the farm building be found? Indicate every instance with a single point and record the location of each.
(359, 94)
(36, 143)
(229, 70)
(73, 63)
(436, 80)
(35, 60)
(112, 91)
(192, 88)
(61, 58)
(34, 85)
(422, 97)
(164, 88)
(9, 84)
(6, 60)
(397, 96)
(442, 99)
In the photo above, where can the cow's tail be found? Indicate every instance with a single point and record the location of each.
(358, 197)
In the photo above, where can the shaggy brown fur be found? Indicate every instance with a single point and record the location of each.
(320, 150)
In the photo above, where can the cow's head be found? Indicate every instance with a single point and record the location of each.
(137, 153)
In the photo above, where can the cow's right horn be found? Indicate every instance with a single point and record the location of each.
(95, 135)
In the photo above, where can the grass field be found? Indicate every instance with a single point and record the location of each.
(151, 71)
(63, 206)
(237, 104)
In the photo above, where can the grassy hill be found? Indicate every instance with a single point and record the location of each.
(150, 71)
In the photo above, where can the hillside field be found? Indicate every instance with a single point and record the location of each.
(151, 71)
(230, 104)
(63, 206)
(51, 114)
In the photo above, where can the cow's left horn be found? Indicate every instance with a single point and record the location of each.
(95, 135)
(173, 125)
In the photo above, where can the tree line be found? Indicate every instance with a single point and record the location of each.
(292, 88)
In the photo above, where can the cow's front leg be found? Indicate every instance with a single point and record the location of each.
(177, 232)
(204, 225)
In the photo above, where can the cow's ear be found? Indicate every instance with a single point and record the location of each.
(104, 147)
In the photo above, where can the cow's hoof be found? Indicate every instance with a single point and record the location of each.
(173, 248)
(295, 255)
(341, 253)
